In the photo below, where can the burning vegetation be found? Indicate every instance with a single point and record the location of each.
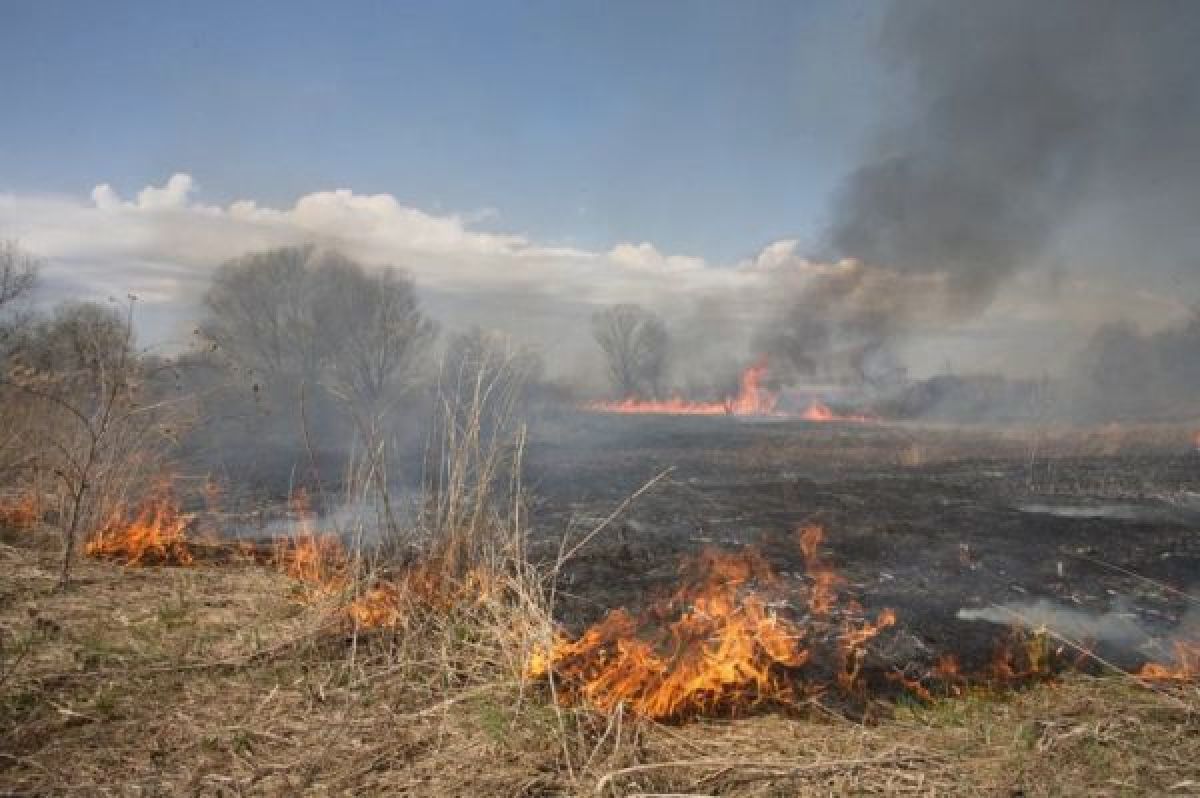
(154, 533)
(736, 637)
(731, 637)
(753, 400)
(20, 510)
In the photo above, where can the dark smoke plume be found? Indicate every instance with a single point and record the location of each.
(1017, 118)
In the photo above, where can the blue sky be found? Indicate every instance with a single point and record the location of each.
(525, 162)
(708, 128)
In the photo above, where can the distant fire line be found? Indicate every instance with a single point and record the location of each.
(752, 400)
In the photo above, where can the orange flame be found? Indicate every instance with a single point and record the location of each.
(752, 399)
(315, 559)
(1023, 656)
(852, 649)
(714, 646)
(825, 580)
(155, 535)
(318, 561)
(20, 511)
(1186, 667)
(722, 651)
(326, 569)
(379, 606)
(818, 411)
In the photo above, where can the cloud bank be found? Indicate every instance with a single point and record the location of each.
(163, 243)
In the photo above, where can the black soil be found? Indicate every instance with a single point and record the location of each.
(927, 521)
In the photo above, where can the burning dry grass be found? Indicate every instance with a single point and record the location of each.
(724, 643)
(416, 680)
(214, 681)
(154, 534)
(736, 638)
(753, 399)
(19, 511)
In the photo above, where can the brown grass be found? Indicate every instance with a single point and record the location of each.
(214, 681)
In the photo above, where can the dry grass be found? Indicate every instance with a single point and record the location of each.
(214, 681)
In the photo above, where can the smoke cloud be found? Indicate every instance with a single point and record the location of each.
(1021, 131)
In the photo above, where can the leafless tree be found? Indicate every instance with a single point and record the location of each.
(18, 276)
(81, 342)
(260, 314)
(491, 358)
(95, 428)
(314, 316)
(373, 334)
(328, 340)
(635, 343)
(18, 273)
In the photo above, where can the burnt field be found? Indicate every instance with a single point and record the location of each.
(1089, 533)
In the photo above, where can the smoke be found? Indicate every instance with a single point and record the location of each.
(1019, 130)
(1120, 628)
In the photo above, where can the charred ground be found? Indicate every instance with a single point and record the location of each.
(925, 520)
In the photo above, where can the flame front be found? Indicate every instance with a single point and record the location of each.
(715, 646)
(155, 534)
(20, 511)
(325, 569)
(723, 649)
(820, 412)
(1186, 667)
(752, 399)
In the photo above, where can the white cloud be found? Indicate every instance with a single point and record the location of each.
(163, 244)
(164, 231)
(646, 257)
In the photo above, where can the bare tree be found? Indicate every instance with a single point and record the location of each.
(317, 317)
(18, 276)
(18, 273)
(260, 313)
(329, 340)
(94, 431)
(635, 342)
(81, 342)
(373, 334)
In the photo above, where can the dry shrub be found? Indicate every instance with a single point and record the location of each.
(89, 427)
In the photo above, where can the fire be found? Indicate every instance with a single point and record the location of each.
(20, 511)
(322, 565)
(1186, 667)
(852, 650)
(825, 580)
(722, 650)
(818, 411)
(314, 559)
(716, 646)
(154, 535)
(1023, 656)
(378, 607)
(753, 399)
